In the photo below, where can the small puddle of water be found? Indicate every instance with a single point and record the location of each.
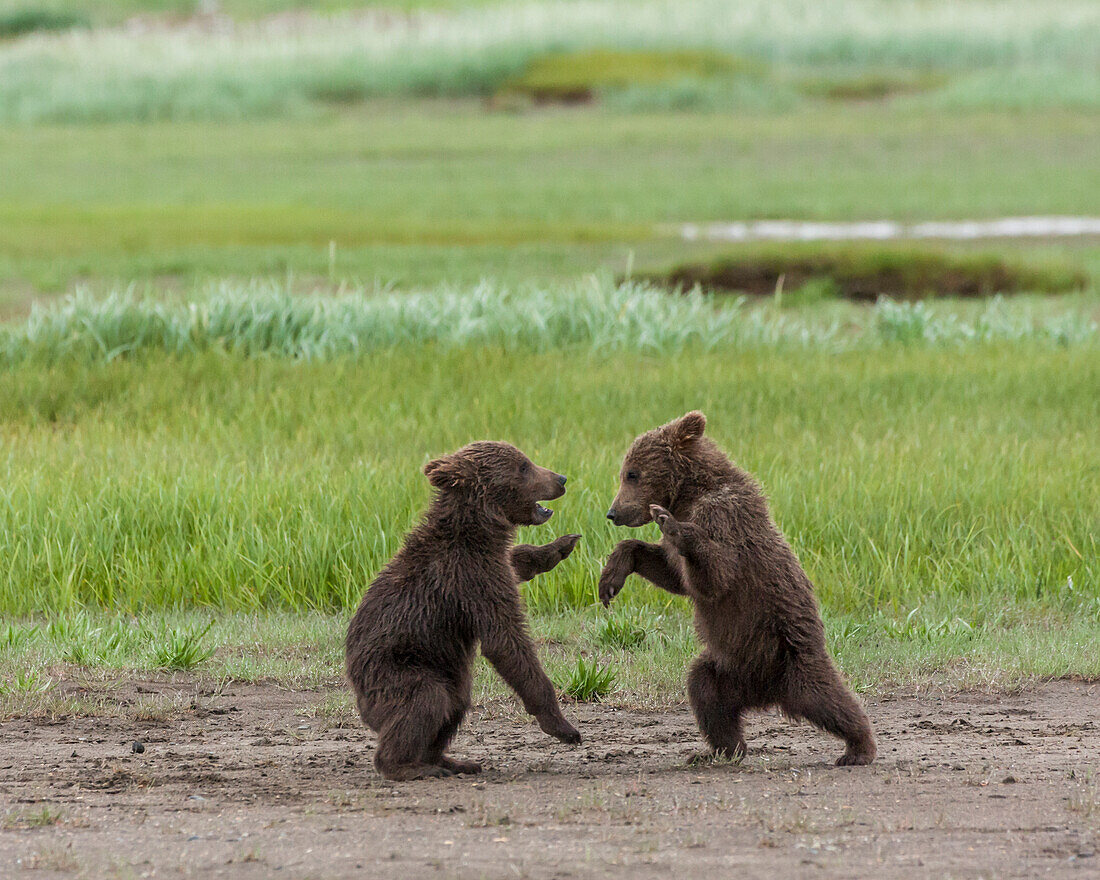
(888, 230)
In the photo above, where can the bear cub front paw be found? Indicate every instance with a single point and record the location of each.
(668, 525)
(559, 728)
(564, 545)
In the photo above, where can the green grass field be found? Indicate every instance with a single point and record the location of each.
(938, 492)
(905, 476)
(425, 194)
(304, 266)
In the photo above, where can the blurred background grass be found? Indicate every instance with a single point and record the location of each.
(171, 141)
(942, 53)
(417, 195)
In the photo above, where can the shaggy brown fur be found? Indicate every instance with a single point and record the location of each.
(410, 646)
(754, 606)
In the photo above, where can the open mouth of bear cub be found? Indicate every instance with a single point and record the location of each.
(542, 514)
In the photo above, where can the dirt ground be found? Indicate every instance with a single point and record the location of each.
(257, 781)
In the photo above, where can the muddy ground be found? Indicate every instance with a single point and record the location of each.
(257, 781)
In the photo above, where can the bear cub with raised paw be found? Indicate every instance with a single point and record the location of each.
(755, 610)
(453, 585)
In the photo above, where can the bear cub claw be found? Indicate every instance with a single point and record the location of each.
(659, 514)
(668, 524)
(560, 729)
(460, 766)
(611, 583)
(565, 544)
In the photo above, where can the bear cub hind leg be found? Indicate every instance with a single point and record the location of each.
(411, 743)
(717, 706)
(820, 697)
(446, 734)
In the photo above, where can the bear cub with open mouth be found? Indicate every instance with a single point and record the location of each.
(453, 585)
(755, 609)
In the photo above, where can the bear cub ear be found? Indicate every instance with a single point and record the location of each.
(446, 472)
(689, 427)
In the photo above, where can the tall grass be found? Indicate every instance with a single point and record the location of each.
(959, 478)
(276, 66)
(265, 319)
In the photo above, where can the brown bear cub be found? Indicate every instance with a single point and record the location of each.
(755, 609)
(452, 585)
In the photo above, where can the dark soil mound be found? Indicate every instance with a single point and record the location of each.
(868, 273)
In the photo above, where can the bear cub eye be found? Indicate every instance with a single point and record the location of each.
(632, 476)
(523, 468)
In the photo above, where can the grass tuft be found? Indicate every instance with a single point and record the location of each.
(44, 817)
(182, 648)
(589, 681)
(14, 636)
(25, 681)
(623, 630)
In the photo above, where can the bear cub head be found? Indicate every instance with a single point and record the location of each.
(656, 465)
(499, 479)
